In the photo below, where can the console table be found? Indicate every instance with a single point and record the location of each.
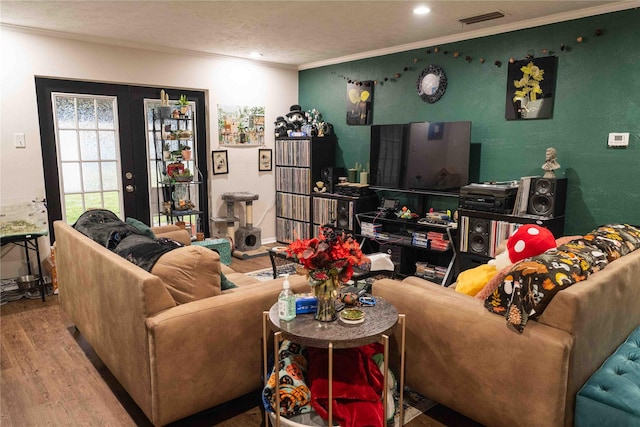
(380, 322)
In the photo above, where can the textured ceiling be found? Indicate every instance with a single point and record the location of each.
(294, 33)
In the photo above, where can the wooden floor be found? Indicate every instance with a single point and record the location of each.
(49, 375)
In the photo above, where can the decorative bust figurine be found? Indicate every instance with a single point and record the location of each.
(550, 163)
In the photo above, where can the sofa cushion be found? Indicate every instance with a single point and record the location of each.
(612, 393)
(190, 273)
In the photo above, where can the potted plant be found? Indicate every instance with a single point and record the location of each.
(185, 108)
(183, 176)
(186, 152)
(166, 151)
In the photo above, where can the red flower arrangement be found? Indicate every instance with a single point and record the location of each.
(330, 255)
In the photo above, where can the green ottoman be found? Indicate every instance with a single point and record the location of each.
(222, 246)
(611, 396)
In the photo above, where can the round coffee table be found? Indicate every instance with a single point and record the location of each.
(380, 321)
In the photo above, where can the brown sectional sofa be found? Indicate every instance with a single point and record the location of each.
(466, 358)
(173, 359)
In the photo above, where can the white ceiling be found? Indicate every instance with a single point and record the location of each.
(301, 34)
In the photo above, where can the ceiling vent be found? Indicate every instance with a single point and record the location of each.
(482, 18)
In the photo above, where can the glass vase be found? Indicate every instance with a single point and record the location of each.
(325, 293)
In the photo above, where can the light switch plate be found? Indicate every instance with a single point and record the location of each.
(18, 139)
(618, 140)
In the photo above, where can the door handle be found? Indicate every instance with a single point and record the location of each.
(129, 188)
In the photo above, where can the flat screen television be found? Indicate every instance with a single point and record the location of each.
(421, 155)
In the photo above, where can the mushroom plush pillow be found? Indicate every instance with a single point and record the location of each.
(525, 242)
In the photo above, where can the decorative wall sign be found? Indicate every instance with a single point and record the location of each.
(220, 162)
(240, 125)
(264, 159)
(530, 88)
(360, 103)
(432, 83)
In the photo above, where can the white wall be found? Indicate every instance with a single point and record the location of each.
(226, 81)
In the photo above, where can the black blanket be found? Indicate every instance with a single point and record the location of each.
(105, 228)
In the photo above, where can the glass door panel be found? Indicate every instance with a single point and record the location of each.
(87, 142)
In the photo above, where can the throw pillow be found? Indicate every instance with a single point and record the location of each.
(141, 226)
(225, 283)
(190, 273)
(531, 284)
(471, 281)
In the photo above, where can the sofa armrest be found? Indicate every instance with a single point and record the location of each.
(173, 232)
(466, 358)
(209, 351)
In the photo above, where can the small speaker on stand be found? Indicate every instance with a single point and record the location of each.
(547, 197)
(344, 217)
(330, 177)
(478, 236)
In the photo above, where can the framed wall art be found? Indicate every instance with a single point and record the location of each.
(220, 162)
(531, 85)
(264, 159)
(360, 103)
(240, 125)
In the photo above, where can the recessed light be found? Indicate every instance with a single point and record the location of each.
(421, 10)
(255, 55)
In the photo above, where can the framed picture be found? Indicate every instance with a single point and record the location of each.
(531, 87)
(220, 162)
(240, 125)
(360, 103)
(264, 159)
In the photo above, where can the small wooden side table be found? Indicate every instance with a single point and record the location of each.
(380, 322)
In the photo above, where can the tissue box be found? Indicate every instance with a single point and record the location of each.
(306, 304)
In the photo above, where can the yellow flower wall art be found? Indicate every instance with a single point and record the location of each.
(531, 88)
(360, 103)
(529, 85)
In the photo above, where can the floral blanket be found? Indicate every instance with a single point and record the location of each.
(295, 396)
(533, 282)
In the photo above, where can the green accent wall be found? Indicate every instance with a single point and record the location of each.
(597, 92)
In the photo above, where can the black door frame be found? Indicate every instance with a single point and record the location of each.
(133, 140)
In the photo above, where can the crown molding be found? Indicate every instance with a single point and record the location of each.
(468, 35)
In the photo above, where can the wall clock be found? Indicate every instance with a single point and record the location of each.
(432, 84)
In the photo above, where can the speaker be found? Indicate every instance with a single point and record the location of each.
(478, 236)
(547, 197)
(330, 177)
(344, 214)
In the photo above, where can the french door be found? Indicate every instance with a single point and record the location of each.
(94, 148)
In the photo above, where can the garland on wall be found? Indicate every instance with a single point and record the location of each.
(456, 54)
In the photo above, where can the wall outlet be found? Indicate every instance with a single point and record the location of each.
(18, 139)
(618, 140)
